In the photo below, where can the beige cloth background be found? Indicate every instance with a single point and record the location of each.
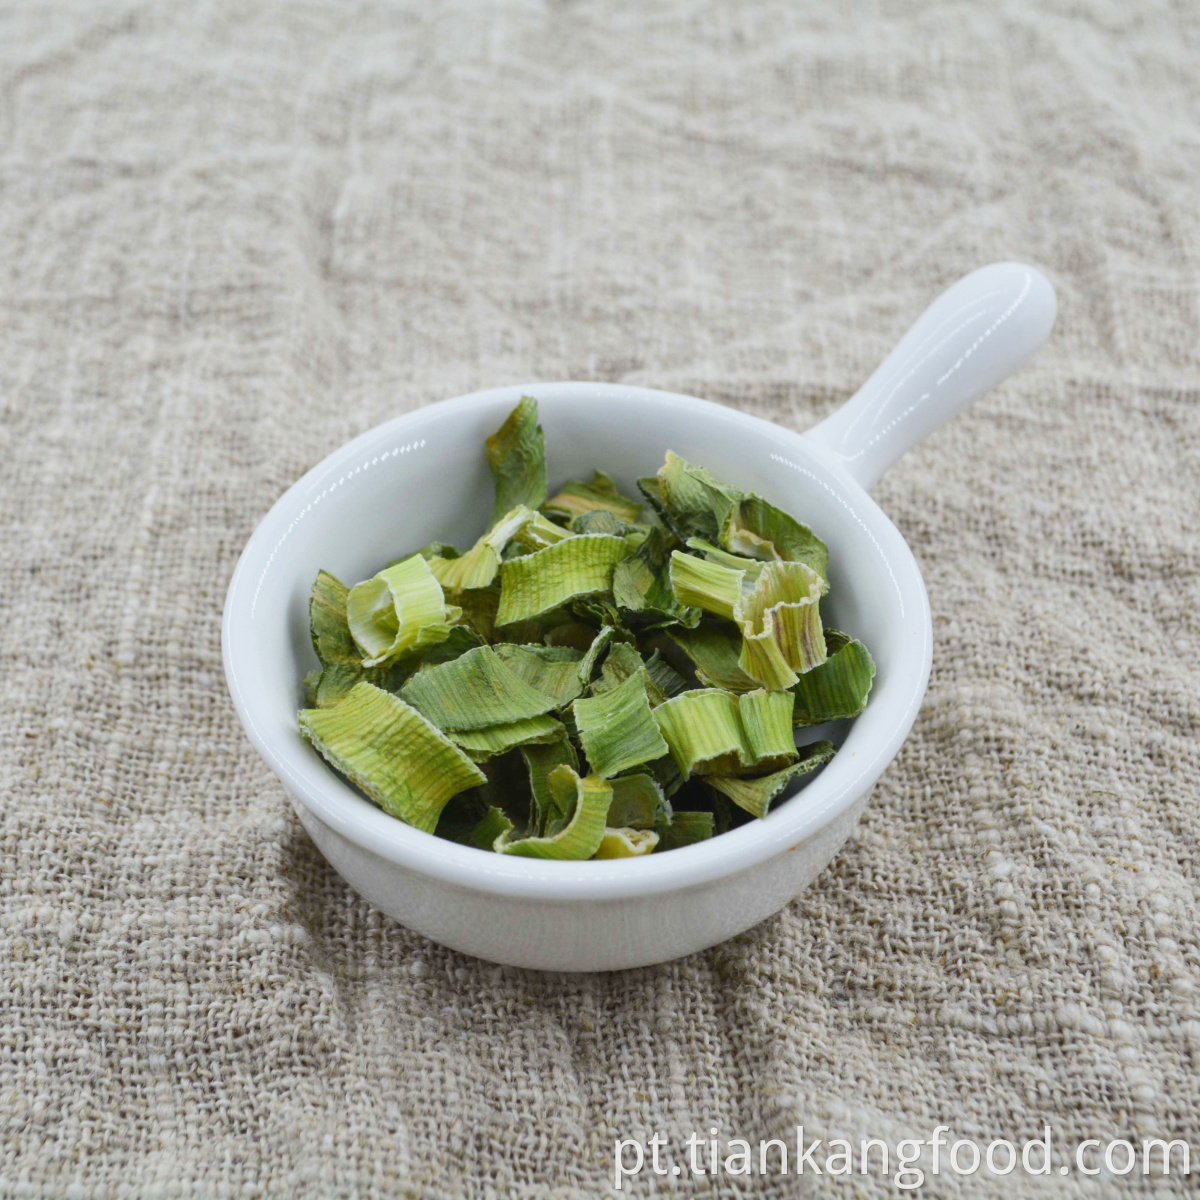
(232, 237)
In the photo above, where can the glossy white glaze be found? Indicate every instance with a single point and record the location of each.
(421, 477)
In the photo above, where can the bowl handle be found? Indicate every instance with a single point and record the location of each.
(973, 336)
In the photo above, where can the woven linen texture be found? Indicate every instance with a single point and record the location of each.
(232, 237)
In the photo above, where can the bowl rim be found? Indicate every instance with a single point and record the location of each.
(872, 743)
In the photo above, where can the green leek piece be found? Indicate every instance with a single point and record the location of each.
(706, 585)
(601, 494)
(340, 658)
(540, 760)
(715, 649)
(540, 582)
(618, 729)
(767, 723)
(781, 624)
(637, 802)
(684, 829)
(709, 733)
(698, 503)
(402, 761)
(839, 686)
(552, 670)
(662, 679)
(621, 661)
(757, 529)
(626, 843)
(474, 691)
(480, 565)
(398, 612)
(585, 801)
(479, 610)
(641, 584)
(589, 662)
(755, 795)
(516, 453)
(460, 639)
(494, 824)
(490, 740)
(600, 520)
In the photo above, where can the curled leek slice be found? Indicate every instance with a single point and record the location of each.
(756, 529)
(698, 503)
(781, 624)
(492, 825)
(839, 686)
(637, 802)
(617, 728)
(474, 691)
(641, 583)
(400, 611)
(578, 835)
(516, 453)
(755, 795)
(709, 733)
(480, 565)
(715, 650)
(540, 760)
(706, 585)
(404, 763)
(537, 583)
(601, 494)
(626, 843)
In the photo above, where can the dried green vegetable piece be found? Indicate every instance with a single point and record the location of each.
(767, 722)
(585, 801)
(479, 610)
(755, 795)
(626, 843)
(709, 731)
(637, 802)
(706, 585)
(617, 728)
(552, 670)
(516, 453)
(494, 824)
(715, 650)
(699, 504)
(474, 691)
(621, 661)
(483, 743)
(757, 529)
(460, 639)
(601, 494)
(539, 762)
(595, 652)
(839, 686)
(684, 829)
(735, 562)
(400, 611)
(404, 763)
(662, 680)
(781, 624)
(641, 583)
(600, 520)
(541, 582)
(480, 565)
(340, 658)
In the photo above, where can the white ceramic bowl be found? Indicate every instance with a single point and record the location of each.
(423, 477)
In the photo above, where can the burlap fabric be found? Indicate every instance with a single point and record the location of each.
(232, 237)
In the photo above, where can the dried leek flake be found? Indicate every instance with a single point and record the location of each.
(637, 802)
(710, 733)
(552, 670)
(474, 691)
(489, 740)
(755, 795)
(781, 624)
(538, 583)
(399, 612)
(715, 649)
(626, 843)
(756, 529)
(684, 829)
(398, 758)
(578, 834)
(707, 585)
(516, 453)
(540, 760)
(601, 494)
(839, 686)
(618, 729)
(339, 656)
